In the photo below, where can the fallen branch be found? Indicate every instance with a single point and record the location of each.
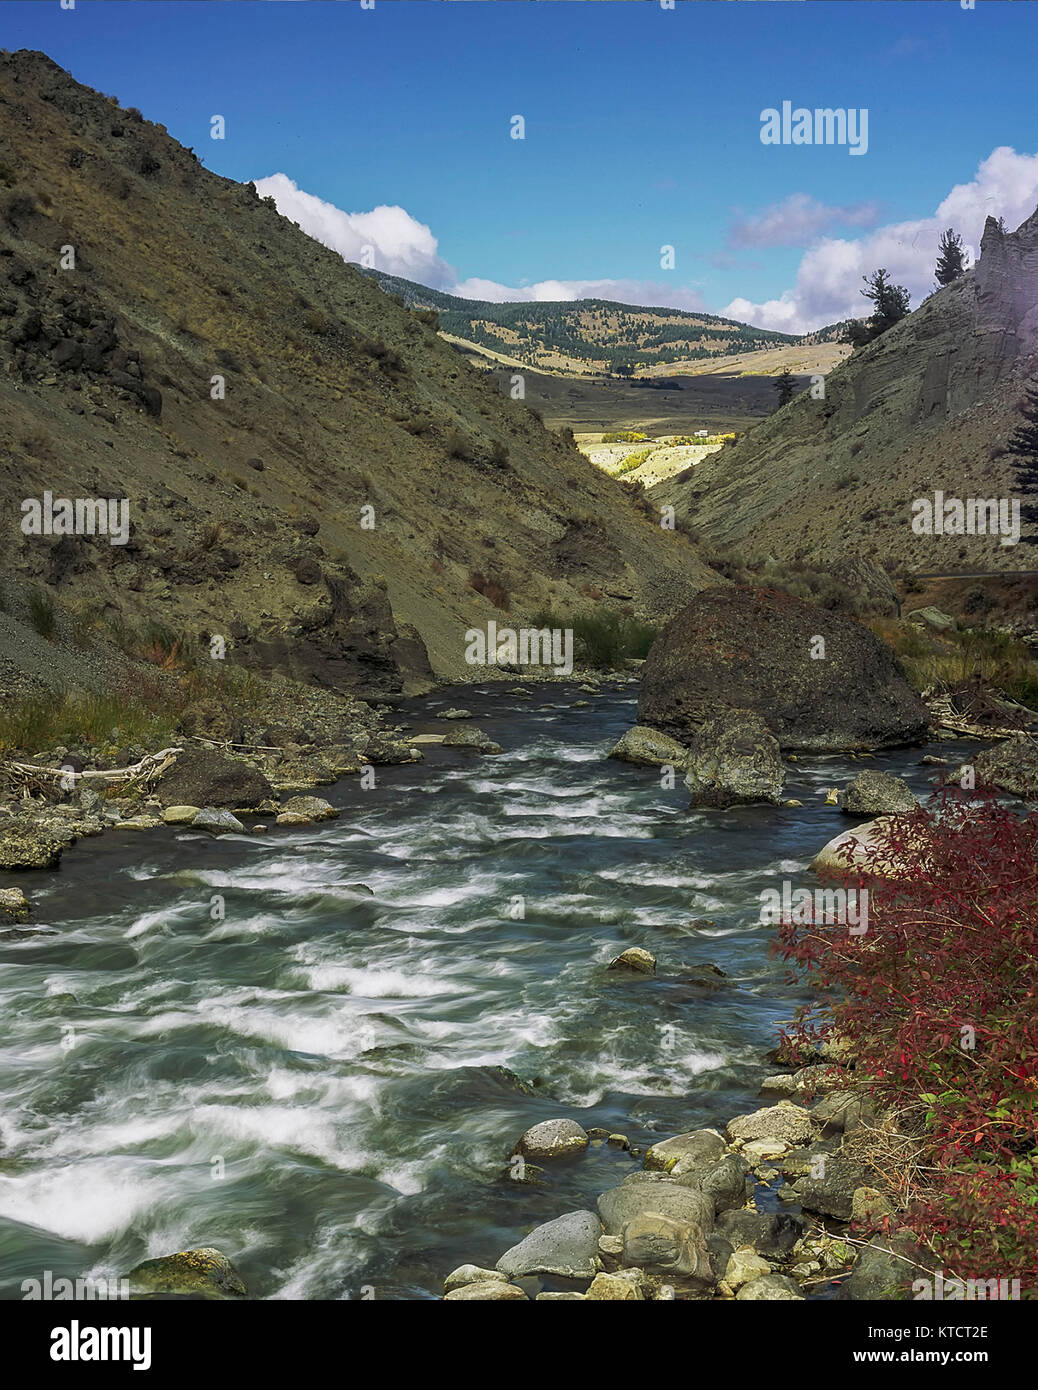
(147, 768)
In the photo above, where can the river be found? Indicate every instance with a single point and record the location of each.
(322, 1084)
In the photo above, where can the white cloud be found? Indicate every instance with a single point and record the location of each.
(643, 292)
(796, 220)
(401, 245)
(829, 275)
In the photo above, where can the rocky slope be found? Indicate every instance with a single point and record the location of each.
(311, 472)
(928, 406)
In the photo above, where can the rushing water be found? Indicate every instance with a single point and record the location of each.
(319, 1084)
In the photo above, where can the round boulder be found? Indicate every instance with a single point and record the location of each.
(553, 1139)
(737, 648)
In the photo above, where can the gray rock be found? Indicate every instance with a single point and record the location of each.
(733, 759)
(312, 807)
(866, 843)
(553, 1139)
(14, 905)
(783, 1121)
(771, 1233)
(739, 648)
(456, 714)
(832, 1193)
(885, 1269)
(205, 777)
(743, 1267)
(649, 748)
(774, 1287)
(686, 1153)
(216, 822)
(626, 1284)
(486, 1293)
(566, 1247)
(665, 1246)
(622, 1204)
(465, 737)
(470, 1274)
(874, 793)
(932, 617)
(724, 1183)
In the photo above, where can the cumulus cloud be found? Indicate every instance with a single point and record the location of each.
(829, 275)
(399, 244)
(796, 220)
(647, 293)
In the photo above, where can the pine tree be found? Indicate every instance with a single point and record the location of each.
(1023, 445)
(891, 304)
(786, 386)
(951, 263)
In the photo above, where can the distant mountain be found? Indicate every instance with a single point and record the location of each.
(587, 335)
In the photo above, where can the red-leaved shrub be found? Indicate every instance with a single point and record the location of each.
(939, 1000)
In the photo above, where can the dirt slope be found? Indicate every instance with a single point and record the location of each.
(247, 510)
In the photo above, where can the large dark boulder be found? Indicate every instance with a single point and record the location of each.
(206, 777)
(756, 649)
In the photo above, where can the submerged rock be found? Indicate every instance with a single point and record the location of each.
(471, 738)
(649, 748)
(201, 1273)
(636, 960)
(14, 905)
(733, 759)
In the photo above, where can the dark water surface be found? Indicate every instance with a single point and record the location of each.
(316, 1084)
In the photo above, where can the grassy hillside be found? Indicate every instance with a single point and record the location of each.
(591, 335)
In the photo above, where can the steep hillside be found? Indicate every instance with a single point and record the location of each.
(927, 407)
(311, 472)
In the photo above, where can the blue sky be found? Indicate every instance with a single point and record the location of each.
(642, 130)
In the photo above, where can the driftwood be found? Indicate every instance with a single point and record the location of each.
(151, 766)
